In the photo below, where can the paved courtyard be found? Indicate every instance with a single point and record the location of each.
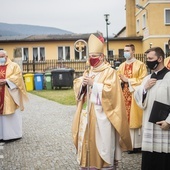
(47, 142)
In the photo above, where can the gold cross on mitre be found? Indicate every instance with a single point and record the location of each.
(80, 45)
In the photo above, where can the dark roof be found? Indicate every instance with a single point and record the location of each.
(126, 38)
(38, 38)
(57, 37)
(123, 29)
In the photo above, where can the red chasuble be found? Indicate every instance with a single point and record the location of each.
(126, 93)
(2, 88)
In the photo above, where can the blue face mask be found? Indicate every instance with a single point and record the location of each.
(2, 61)
(127, 55)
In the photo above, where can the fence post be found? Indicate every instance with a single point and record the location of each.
(27, 66)
(33, 65)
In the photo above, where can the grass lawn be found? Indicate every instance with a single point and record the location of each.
(62, 96)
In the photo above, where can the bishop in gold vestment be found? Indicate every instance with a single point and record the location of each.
(101, 131)
(12, 97)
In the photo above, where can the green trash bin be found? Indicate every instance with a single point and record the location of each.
(29, 81)
(48, 82)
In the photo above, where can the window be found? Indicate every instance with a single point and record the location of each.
(167, 50)
(167, 16)
(111, 55)
(64, 53)
(18, 53)
(137, 25)
(81, 55)
(121, 52)
(39, 54)
(25, 55)
(137, 1)
(144, 21)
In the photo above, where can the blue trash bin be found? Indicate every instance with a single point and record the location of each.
(38, 81)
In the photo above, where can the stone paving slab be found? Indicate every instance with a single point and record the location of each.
(47, 142)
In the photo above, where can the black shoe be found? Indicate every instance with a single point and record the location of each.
(11, 140)
(130, 152)
(135, 150)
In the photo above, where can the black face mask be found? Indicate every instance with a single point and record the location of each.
(152, 64)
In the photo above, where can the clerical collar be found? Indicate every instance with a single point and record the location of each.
(161, 73)
(131, 60)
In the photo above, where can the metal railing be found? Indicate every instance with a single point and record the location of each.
(78, 65)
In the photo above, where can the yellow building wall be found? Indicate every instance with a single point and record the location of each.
(156, 19)
(156, 42)
(155, 32)
(116, 45)
(130, 18)
(51, 48)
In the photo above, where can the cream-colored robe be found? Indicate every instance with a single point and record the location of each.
(14, 74)
(114, 109)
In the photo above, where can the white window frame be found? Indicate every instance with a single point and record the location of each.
(165, 16)
(144, 21)
(25, 58)
(63, 53)
(136, 1)
(137, 25)
(39, 53)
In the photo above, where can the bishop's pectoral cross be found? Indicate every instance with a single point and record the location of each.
(80, 47)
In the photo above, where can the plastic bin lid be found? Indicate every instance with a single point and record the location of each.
(38, 74)
(62, 70)
(28, 75)
(48, 73)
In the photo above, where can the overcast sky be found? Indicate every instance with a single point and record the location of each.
(77, 16)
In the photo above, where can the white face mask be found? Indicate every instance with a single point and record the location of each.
(127, 55)
(2, 61)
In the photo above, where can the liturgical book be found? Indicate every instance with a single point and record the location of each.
(159, 112)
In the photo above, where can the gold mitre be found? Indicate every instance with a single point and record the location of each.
(95, 44)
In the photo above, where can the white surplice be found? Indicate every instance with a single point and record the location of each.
(154, 138)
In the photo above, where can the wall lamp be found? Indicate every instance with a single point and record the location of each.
(143, 8)
(139, 6)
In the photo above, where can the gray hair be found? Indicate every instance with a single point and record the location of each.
(4, 52)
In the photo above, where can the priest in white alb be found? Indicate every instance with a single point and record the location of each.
(12, 97)
(156, 136)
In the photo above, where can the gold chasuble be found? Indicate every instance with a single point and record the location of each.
(135, 72)
(167, 63)
(113, 107)
(12, 72)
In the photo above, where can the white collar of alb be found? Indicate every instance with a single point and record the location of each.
(131, 60)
